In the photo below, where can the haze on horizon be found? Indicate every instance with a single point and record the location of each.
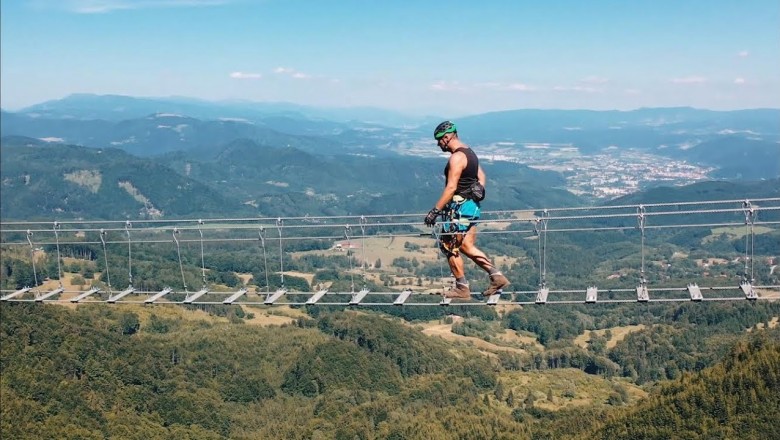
(434, 57)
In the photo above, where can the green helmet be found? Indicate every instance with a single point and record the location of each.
(444, 128)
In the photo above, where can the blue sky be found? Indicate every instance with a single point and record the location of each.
(449, 58)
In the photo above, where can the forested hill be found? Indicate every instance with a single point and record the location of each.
(241, 178)
(704, 191)
(737, 398)
(167, 372)
(46, 181)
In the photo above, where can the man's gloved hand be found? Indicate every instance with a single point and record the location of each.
(430, 219)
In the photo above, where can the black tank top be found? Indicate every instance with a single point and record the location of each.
(469, 174)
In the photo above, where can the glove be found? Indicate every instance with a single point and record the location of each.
(430, 219)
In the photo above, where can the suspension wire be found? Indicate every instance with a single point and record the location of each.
(59, 265)
(415, 223)
(202, 258)
(641, 223)
(544, 247)
(32, 257)
(538, 234)
(281, 252)
(364, 264)
(265, 260)
(437, 231)
(178, 252)
(647, 205)
(407, 234)
(129, 225)
(749, 238)
(105, 258)
(415, 215)
(752, 246)
(540, 230)
(349, 257)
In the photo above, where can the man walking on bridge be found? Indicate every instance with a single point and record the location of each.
(464, 188)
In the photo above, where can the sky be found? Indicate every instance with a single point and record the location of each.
(424, 56)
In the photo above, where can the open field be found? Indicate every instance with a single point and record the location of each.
(568, 387)
(768, 293)
(386, 250)
(278, 315)
(444, 331)
(773, 323)
(618, 334)
(509, 337)
(733, 232)
(513, 217)
(390, 248)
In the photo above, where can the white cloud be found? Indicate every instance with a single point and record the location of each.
(519, 87)
(743, 54)
(447, 86)
(512, 87)
(594, 80)
(104, 6)
(488, 85)
(584, 89)
(244, 75)
(689, 80)
(292, 73)
(739, 80)
(632, 91)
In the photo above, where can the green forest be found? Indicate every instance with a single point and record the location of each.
(169, 372)
(658, 370)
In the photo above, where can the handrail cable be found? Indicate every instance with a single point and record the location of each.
(416, 215)
(411, 224)
(418, 234)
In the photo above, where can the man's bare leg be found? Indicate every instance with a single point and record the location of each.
(497, 280)
(455, 261)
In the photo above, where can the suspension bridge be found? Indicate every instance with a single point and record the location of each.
(268, 235)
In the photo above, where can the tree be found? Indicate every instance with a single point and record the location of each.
(499, 391)
(529, 399)
(128, 323)
(510, 399)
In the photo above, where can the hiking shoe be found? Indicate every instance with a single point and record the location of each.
(460, 291)
(497, 282)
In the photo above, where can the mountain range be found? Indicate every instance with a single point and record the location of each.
(184, 157)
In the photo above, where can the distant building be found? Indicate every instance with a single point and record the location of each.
(341, 245)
